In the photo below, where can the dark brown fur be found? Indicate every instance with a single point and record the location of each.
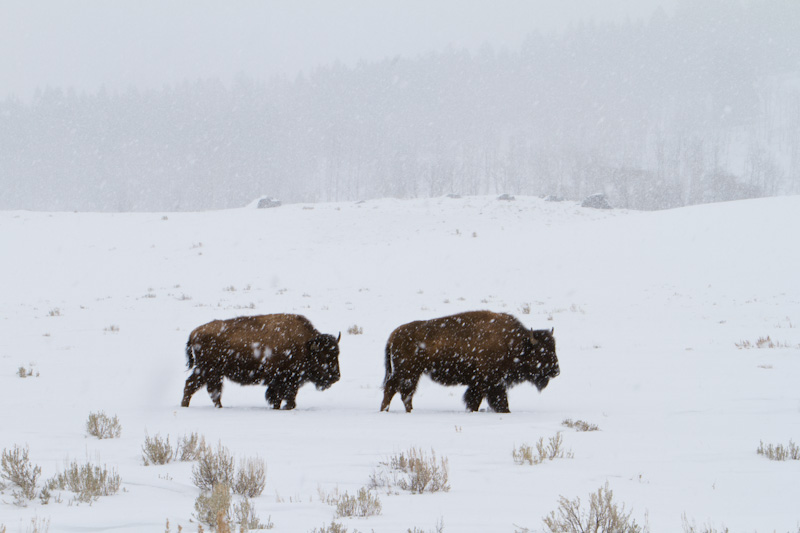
(488, 352)
(281, 351)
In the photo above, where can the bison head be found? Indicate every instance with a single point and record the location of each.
(323, 362)
(541, 363)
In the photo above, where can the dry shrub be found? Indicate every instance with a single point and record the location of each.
(16, 468)
(553, 450)
(779, 452)
(579, 425)
(26, 373)
(251, 477)
(212, 506)
(603, 516)
(691, 527)
(214, 509)
(361, 505)
(334, 527)
(37, 525)
(761, 343)
(413, 471)
(355, 329)
(101, 426)
(157, 451)
(438, 529)
(191, 448)
(214, 468)
(244, 515)
(88, 481)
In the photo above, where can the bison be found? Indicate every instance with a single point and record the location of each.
(488, 352)
(281, 351)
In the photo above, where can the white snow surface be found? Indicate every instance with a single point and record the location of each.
(647, 310)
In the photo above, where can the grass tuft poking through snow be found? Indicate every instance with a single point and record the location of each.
(552, 450)
(579, 425)
(334, 527)
(779, 452)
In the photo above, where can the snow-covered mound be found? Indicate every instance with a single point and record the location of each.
(648, 309)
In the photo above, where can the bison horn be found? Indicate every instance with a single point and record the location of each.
(339, 337)
(534, 340)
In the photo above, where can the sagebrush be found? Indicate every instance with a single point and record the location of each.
(414, 471)
(334, 527)
(101, 426)
(214, 467)
(251, 477)
(191, 447)
(87, 481)
(579, 425)
(157, 451)
(779, 452)
(543, 452)
(245, 517)
(17, 469)
(603, 516)
(37, 525)
(361, 505)
(211, 505)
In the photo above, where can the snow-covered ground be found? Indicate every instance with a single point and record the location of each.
(647, 310)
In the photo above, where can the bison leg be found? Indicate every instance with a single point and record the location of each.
(274, 395)
(473, 397)
(389, 390)
(193, 384)
(498, 399)
(214, 388)
(290, 397)
(279, 391)
(407, 389)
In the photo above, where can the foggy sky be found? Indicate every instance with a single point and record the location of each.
(87, 44)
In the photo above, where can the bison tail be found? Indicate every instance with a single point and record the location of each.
(388, 363)
(189, 355)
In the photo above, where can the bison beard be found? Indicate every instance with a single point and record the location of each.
(281, 351)
(488, 352)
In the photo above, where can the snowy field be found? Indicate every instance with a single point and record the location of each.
(648, 309)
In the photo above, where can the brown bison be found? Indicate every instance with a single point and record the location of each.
(488, 352)
(281, 351)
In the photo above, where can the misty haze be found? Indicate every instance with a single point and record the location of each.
(695, 106)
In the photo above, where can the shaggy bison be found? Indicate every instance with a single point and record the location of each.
(488, 352)
(281, 351)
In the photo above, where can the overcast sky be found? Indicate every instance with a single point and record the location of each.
(147, 43)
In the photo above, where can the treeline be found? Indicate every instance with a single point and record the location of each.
(700, 106)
